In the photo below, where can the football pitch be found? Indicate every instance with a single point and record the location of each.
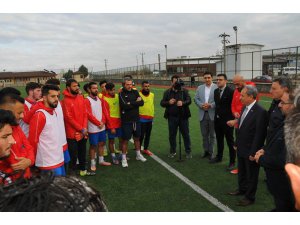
(162, 184)
(150, 187)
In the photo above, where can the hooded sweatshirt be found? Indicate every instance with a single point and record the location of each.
(75, 113)
(22, 148)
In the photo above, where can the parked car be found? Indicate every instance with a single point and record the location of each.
(156, 73)
(262, 79)
(287, 71)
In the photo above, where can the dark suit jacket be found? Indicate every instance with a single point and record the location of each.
(223, 104)
(182, 95)
(275, 152)
(252, 133)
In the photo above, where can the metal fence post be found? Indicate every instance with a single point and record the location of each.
(297, 61)
(252, 65)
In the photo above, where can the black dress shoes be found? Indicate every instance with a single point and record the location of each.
(245, 202)
(215, 160)
(236, 193)
(205, 155)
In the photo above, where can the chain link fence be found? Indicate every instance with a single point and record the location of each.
(273, 62)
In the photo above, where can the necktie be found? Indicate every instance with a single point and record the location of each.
(243, 116)
(220, 92)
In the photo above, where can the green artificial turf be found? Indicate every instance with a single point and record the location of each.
(150, 187)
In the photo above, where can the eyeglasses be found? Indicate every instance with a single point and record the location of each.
(286, 103)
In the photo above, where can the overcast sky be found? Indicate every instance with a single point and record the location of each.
(62, 41)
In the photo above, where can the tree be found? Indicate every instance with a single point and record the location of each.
(68, 75)
(82, 69)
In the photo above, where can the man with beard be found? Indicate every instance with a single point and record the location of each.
(75, 116)
(60, 117)
(97, 115)
(33, 91)
(22, 156)
(146, 116)
(176, 101)
(236, 104)
(130, 101)
(61, 124)
(44, 133)
(7, 120)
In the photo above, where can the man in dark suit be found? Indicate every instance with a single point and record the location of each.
(273, 155)
(223, 98)
(251, 133)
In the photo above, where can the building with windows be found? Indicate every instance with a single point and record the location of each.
(78, 76)
(21, 78)
(192, 66)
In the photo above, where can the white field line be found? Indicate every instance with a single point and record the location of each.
(192, 185)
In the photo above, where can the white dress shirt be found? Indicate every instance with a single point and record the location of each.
(207, 92)
(247, 109)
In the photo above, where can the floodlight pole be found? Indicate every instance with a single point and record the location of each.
(166, 47)
(236, 48)
(224, 42)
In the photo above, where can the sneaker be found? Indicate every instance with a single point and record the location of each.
(236, 171)
(105, 152)
(147, 152)
(103, 163)
(172, 155)
(93, 168)
(120, 157)
(93, 165)
(84, 173)
(230, 167)
(215, 160)
(124, 163)
(205, 155)
(118, 151)
(140, 158)
(189, 156)
(115, 161)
